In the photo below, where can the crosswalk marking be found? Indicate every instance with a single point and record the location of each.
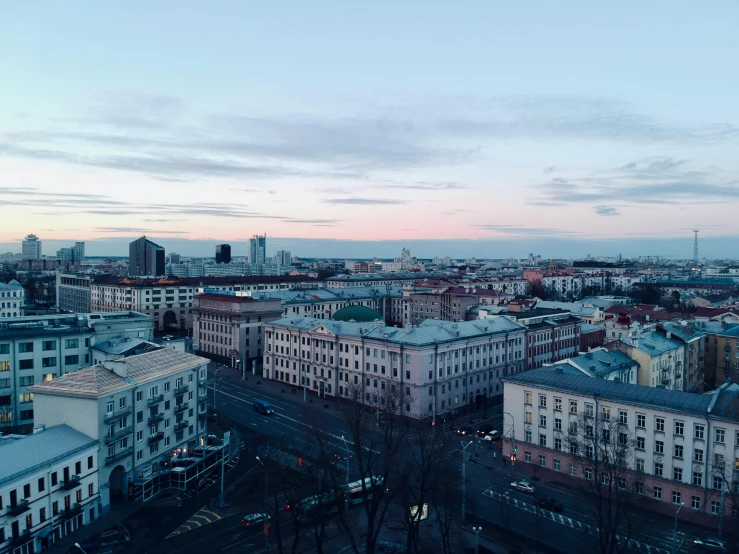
(591, 530)
(204, 516)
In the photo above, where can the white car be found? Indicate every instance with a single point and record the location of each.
(254, 519)
(491, 436)
(523, 486)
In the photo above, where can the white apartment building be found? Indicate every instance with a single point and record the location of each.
(12, 299)
(31, 248)
(378, 279)
(36, 349)
(73, 292)
(169, 301)
(144, 410)
(567, 286)
(518, 287)
(49, 484)
(683, 447)
(437, 366)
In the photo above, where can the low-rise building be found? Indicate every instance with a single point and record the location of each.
(73, 292)
(145, 410)
(12, 300)
(435, 366)
(676, 447)
(169, 301)
(229, 328)
(721, 351)
(591, 336)
(695, 342)
(550, 340)
(36, 349)
(604, 364)
(661, 359)
(49, 483)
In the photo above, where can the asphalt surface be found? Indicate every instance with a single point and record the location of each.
(291, 429)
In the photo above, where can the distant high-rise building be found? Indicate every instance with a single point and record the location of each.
(145, 258)
(283, 258)
(258, 250)
(223, 254)
(31, 248)
(75, 253)
(174, 258)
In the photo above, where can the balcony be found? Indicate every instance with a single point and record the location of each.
(19, 508)
(69, 513)
(156, 400)
(179, 408)
(181, 426)
(156, 437)
(119, 455)
(71, 483)
(120, 414)
(153, 420)
(19, 540)
(181, 390)
(118, 434)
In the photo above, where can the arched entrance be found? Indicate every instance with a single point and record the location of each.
(118, 484)
(170, 320)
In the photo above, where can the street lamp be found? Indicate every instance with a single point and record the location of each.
(477, 530)
(464, 477)
(513, 438)
(675, 546)
(80, 548)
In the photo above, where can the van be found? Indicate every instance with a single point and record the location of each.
(263, 407)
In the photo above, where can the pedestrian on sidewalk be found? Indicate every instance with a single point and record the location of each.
(495, 455)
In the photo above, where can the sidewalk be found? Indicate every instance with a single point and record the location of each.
(116, 515)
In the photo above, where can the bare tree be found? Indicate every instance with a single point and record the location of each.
(445, 501)
(604, 449)
(377, 445)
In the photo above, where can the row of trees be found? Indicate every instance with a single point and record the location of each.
(413, 464)
(539, 290)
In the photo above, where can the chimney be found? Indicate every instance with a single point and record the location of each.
(668, 335)
(116, 366)
(407, 327)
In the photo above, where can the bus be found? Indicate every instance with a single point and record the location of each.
(359, 491)
(313, 506)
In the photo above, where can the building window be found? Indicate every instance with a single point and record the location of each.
(658, 469)
(678, 451)
(557, 443)
(697, 478)
(695, 502)
(542, 439)
(573, 406)
(659, 447)
(679, 428)
(659, 424)
(675, 497)
(658, 493)
(698, 455)
(720, 435)
(542, 401)
(555, 465)
(543, 460)
(715, 507)
(639, 464)
(641, 420)
(677, 473)
(527, 397)
(717, 482)
(699, 431)
(588, 474)
(542, 421)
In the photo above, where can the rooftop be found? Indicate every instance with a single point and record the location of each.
(357, 313)
(114, 281)
(652, 343)
(610, 390)
(589, 328)
(429, 332)
(11, 285)
(98, 380)
(385, 276)
(529, 314)
(121, 344)
(33, 452)
(319, 295)
(601, 362)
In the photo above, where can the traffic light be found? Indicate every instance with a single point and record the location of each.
(300, 462)
(513, 457)
(336, 456)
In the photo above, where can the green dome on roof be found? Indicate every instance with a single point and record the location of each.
(360, 314)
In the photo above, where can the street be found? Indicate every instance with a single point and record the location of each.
(489, 497)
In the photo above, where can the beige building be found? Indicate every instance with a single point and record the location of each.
(230, 328)
(437, 366)
(661, 359)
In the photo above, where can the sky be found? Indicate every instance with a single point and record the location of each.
(469, 128)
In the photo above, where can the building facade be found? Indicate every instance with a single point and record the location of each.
(49, 482)
(37, 349)
(721, 350)
(551, 340)
(74, 253)
(31, 248)
(12, 300)
(144, 410)
(258, 249)
(169, 301)
(229, 328)
(661, 359)
(433, 368)
(73, 292)
(145, 258)
(679, 447)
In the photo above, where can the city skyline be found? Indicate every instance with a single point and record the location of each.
(514, 133)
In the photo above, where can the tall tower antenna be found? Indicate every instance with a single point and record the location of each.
(696, 230)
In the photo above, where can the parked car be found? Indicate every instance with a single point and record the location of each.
(254, 519)
(523, 486)
(549, 503)
(491, 436)
(465, 430)
(710, 544)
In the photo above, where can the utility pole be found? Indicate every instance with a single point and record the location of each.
(513, 440)
(464, 478)
(215, 386)
(226, 441)
(675, 546)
